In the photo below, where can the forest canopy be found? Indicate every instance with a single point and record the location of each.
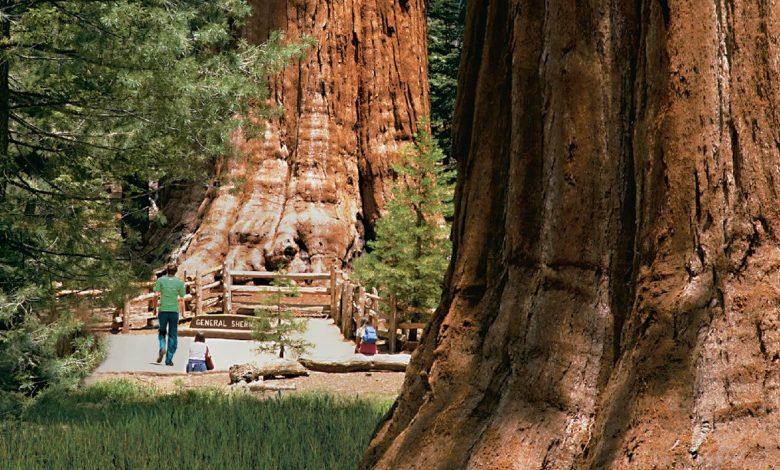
(97, 99)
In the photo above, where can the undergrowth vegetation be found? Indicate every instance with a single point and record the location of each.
(120, 424)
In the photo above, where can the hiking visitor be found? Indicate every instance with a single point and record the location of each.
(366, 338)
(199, 352)
(171, 301)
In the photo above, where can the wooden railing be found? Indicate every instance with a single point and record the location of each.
(309, 297)
(352, 303)
(228, 291)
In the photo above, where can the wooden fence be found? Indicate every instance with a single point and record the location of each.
(351, 303)
(228, 291)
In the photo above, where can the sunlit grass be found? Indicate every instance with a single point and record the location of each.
(120, 424)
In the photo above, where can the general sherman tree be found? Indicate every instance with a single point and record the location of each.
(612, 299)
(307, 194)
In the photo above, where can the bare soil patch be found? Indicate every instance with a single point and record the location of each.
(380, 385)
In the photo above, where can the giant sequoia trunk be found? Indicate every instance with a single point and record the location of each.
(611, 300)
(303, 197)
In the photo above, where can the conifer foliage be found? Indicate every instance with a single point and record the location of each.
(97, 98)
(445, 41)
(275, 325)
(106, 95)
(411, 251)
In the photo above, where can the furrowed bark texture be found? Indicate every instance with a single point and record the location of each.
(304, 195)
(611, 300)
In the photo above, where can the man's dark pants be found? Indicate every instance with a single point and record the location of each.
(169, 324)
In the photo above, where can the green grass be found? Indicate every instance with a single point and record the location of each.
(119, 424)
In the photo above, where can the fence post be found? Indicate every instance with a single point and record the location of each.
(333, 298)
(126, 316)
(187, 290)
(393, 323)
(198, 295)
(346, 307)
(227, 283)
(361, 302)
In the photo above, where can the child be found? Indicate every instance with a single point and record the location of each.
(366, 338)
(198, 354)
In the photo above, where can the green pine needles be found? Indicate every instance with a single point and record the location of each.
(276, 327)
(114, 94)
(97, 99)
(411, 251)
(445, 41)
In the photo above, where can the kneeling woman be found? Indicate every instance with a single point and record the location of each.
(199, 353)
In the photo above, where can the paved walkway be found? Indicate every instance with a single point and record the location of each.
(137, 353)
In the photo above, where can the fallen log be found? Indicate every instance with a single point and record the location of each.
(261, 386)
(357, 363)
(251, 372)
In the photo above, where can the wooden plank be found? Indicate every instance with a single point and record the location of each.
(333, 297)
(227, 308)
(198, 295)
(300, 307)
(281, 290)
(143, 297)
(336, 314)
(211, 285)
(360, 311)
(211, 271)
(126, 316)
(373, 296)
(411, 326)
(275, 275)
(346, 308)
(256, 305)
(393, 328)
(223, 322)
(81, 293)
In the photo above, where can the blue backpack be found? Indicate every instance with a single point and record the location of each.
(369, 335)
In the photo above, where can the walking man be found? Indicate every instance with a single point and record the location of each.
(171, 294)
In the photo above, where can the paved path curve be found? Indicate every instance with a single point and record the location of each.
(137, 353)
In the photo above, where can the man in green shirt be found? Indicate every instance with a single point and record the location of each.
(171, 294)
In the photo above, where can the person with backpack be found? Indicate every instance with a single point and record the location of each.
(171, 292)
(366, 338)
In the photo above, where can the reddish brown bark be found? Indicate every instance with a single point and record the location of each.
(304, 196)
(612, 299)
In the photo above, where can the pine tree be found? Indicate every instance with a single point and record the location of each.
(276, 327)
(99, 95)
(96, 99)
(411, 250)
(445, 40)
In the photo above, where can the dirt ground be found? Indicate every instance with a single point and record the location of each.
(381, 385)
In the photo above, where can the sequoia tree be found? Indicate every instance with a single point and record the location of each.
(306, 195)
(611, 300)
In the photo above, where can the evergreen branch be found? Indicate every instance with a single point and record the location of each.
(26, 186)
(32, 250)
(87, 22)
(65, 137)
(30, 146)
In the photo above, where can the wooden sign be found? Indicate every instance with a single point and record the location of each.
(222, 322)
